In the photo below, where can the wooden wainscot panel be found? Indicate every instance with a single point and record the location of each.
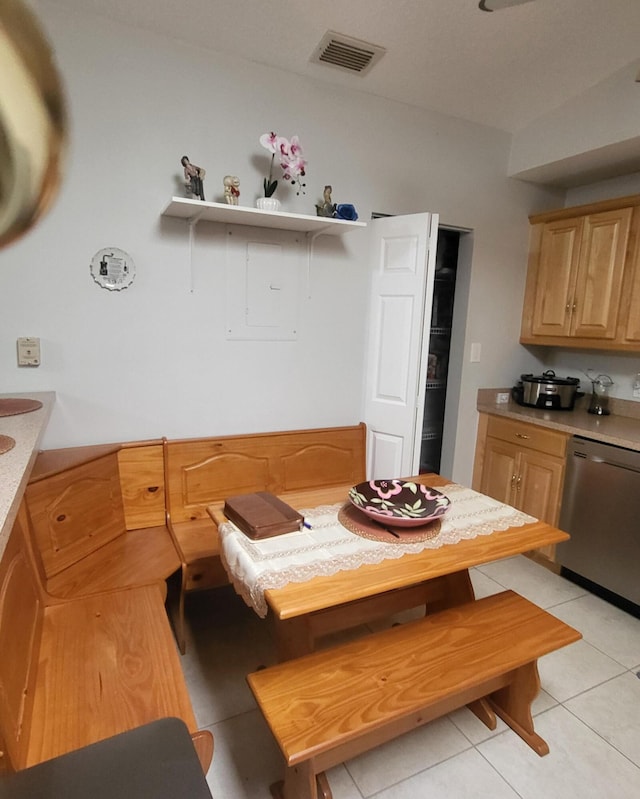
(204, 471)
(323, 458)
(76, 512)
(20, 631)
(141, 469)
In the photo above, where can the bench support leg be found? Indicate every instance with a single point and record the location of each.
(456, 590)
(300, 782)
(203, 744)
(513, 704)
(483, 710)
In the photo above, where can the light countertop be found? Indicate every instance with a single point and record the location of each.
(617, 429)
(16, 464)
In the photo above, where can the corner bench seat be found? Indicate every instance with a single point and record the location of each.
(97, 519)
(79, 671)
(138, 558)
(107, 664)
(332, 705)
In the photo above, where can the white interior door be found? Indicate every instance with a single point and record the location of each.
(402, 254)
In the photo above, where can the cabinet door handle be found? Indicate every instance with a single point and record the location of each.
(513, 479)
(522, 435)
(518, 481)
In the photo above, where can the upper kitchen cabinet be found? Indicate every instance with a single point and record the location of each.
(630, 327)
(583, 271)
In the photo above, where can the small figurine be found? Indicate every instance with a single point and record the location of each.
(231, 189)
(326, 207)
(193, 177)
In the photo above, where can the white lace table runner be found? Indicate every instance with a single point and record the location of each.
(328, 547)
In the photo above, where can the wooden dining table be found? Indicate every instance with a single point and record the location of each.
(303, 612)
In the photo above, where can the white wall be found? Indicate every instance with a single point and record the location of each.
(603, 190)
(153, 360)
(592, 133)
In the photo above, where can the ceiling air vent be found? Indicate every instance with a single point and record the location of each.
(346, 53)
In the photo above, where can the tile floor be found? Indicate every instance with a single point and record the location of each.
(588, 710)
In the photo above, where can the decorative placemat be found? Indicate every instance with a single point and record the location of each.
(359, 523)
(12, 406)
(6, 443)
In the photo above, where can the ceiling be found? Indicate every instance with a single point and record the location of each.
(502, 69)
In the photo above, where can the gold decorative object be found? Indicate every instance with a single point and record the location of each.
(33, 122)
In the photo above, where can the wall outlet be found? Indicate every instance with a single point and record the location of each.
(502, 397)
(28, 351)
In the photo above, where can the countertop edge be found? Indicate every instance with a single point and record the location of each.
(620, 431)
(27, 429)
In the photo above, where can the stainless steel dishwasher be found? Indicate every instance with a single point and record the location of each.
(601, 511)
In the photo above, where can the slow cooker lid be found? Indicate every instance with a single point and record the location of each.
(550, 377)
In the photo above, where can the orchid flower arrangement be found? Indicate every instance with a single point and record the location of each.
(290, 158)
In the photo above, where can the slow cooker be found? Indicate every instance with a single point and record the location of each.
(547, 391)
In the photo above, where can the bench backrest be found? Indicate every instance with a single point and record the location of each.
(81, 498)
(141, 468)
(21, 613)
(204, 471)
(75, 512)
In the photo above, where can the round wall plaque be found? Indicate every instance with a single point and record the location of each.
(113, 269)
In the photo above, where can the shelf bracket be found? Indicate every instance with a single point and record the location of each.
(311, 239)
(192, 222)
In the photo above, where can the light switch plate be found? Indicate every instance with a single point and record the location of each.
(28, 351)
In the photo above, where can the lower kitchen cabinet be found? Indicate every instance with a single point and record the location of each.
(522, 465)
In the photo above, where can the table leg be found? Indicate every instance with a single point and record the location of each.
(456, 589)
(300, 783)
(293, 637)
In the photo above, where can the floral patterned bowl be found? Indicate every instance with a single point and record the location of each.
(399, 503)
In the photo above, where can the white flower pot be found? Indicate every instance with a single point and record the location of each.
(268, 204)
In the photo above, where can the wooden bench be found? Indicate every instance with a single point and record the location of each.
(78, 671)
(205, 471)
(332, 705)
(97, 518)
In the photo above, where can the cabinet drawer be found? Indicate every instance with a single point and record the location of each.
(528, 435)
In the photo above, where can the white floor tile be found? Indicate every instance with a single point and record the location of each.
(606, 627)
(405, 756)
(226, 642)
(471, 726)
(473, 729)
(580, 764)
(341, 784)
(532, 581)
(466, 776)
(574, 669)
(483, 585)
(542, 702)
(613, 711)
(246, 759)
